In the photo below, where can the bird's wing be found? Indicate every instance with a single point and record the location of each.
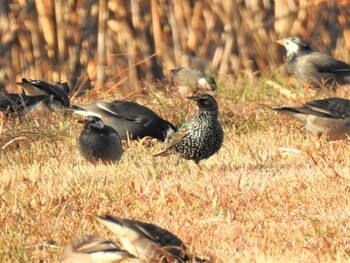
(178, 136)
(324, 63)
(127, 110)
(38, 87)
(331, 107)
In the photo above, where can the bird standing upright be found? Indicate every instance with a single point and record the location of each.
(200, 137)
(98, 141)
(314, 68)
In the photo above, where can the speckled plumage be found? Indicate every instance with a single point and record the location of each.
(99, 142)
(200, 137)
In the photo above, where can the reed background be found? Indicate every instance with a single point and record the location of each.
(272, 193)
(109, 44)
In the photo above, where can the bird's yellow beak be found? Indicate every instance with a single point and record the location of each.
(280, 42)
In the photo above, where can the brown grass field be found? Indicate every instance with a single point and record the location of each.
(271, 194)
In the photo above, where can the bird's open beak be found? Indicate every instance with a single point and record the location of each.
(82, 120)
(280, 42)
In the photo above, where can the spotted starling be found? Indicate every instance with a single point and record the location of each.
(329, 117)
(148, 242)
(90, 248)
(314, 68)
(128, 118)
(59, 91)
(190, 81)
(17, 105)
(200, 137)
(98, 141)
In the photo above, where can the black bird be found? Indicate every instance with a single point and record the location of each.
(314, 68)
(18, 105)
(148, 242)
(90, 248)
(128, 118)
(191, 81)
(58, 90)
(329, 117)
(200, 137)
(98, 141)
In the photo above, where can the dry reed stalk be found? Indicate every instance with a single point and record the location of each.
(101, 44)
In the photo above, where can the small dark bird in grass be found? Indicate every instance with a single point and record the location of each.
(17, 105)
(190, 81)
(58, 90)
(200, 137)
(98, 141)
(128, 118)
(90, 249)
(328, 117)
(148, 242)
(314, 68)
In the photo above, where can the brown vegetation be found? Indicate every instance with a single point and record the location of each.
(272, 193)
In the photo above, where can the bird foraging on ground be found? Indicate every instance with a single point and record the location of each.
(314, 68)
(17, 105)
(190, 81)
(98, 141)
(328, 117)
(200, 137)
(90, 248)
(148, 242)
(58, 90)
(128, 119)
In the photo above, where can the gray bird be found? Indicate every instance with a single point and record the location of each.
(90, 248)
(314, 68)
(17, 105)
(328, 117)
(128, 119)
(148, 242)
(59, 91)
(98, 141)
(191, 81)
(200, 137)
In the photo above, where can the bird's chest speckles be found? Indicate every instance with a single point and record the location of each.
(204, 139)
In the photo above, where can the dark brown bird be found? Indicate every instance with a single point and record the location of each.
(313, 68)
(200, 137)
(328, 117)
(98, 141)
(128, 119)
(58, 90)
(148, 242)
(190, 81)
(93, 249)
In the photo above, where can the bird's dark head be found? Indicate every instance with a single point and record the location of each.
(293, 45)
(92, 122)
(205, 102)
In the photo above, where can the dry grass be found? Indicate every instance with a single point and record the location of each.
(251, 202)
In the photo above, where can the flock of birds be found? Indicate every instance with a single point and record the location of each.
(107, 123)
